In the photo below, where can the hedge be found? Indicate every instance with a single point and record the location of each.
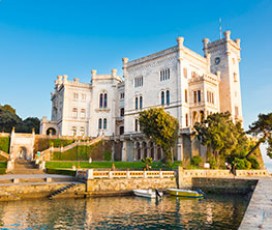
(4, 144)
(121, 165)
(100, 151)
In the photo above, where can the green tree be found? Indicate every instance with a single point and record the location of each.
(263, 128)
(220, 135)
(161, 127)
(28, 124)
(8, 119)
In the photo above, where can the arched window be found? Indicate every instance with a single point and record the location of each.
(186, 120)
(141, 102)
(105, 123)
(105, 100)
(168, 97)
(101, 100)
(162, 97)
(136, 103)
(100, 123)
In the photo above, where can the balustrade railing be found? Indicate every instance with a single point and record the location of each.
(91, 174)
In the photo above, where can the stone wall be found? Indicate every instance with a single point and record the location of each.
(32, 191)
(220, 180)
(224, 185)
(121, 186)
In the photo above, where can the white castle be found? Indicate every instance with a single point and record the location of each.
(187, 85)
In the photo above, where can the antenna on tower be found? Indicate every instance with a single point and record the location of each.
(220, 28)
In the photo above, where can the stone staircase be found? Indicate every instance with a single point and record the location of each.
(25, 167)
(61, 190)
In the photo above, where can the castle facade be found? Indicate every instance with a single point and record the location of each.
(187, 85)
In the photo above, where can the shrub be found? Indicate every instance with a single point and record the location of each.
(254, 163)
(61, 172)
(241, 163)
(196, 160)
(4, 144)
(212, 162)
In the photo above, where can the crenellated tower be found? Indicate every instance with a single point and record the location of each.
(224, 58)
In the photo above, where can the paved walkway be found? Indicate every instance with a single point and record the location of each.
(259, 211)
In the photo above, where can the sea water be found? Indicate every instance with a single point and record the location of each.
(213, 212)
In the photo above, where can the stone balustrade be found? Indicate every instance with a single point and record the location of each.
(91, 174)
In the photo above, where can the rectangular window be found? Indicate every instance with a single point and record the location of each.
(136, 103)
(136, 125)
(105, 123)
(74, 131)
(186, 120)
(199, 95)
(82, 131)
(164, 74)
(195, 97)
(83, 97)
(74, 114)
(186, 96)
(185, 72)
(75, 96)
(100, 123)
(139, 81)
(83, 113)
(122, 112)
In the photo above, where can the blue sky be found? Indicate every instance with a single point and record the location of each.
(40, 39)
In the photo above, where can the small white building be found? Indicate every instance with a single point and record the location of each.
(187, 85)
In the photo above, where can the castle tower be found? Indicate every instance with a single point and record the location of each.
(225, 58)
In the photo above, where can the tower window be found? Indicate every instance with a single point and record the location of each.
(103, 100)
(136, 103)
(105, 123)
(167, 97)
(139, 81)
(162, 98)
(141, 102)
(100, 123)
(164, 74)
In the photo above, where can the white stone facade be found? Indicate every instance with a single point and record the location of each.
(84, 109)
(187, 85)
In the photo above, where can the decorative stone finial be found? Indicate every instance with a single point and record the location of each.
(64, 77)
(205, 42)
(238, 41)
(180, 41)
(114, 72)
(93, 72)
(125, 60)
(227, 34)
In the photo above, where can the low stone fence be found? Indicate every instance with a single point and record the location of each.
(91, 174)
(112, 183)
(219, 180)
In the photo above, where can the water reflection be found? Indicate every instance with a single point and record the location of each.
(214, 212)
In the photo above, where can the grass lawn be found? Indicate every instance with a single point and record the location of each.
(136, 165)
(3, 167)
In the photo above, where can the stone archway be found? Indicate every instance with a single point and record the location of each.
(51, 131)
(22, 154)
